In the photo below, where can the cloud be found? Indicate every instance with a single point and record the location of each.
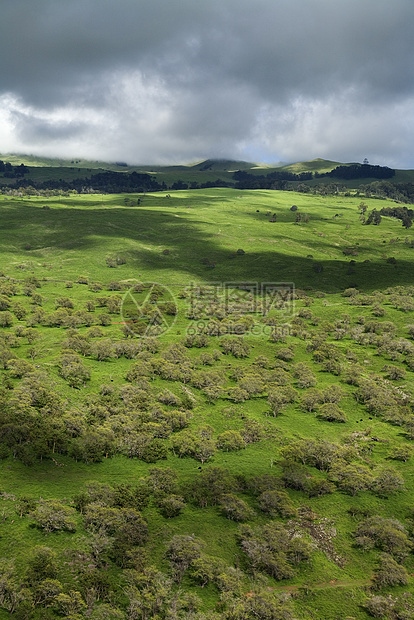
(181, 80)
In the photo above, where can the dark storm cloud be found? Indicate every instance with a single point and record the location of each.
(166, 80)
(38, 130)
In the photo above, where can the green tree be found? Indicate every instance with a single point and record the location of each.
(305, 378)
(53, 516)
(72, 369)
(389, 573)
(170, 505)
(70, 604)
(374, 218)
(387, 481)
(46, 591)
(181, 552)
(230, 440)
(277, 503)
(279, 398)
(235, 508)
(163, 481)
(271, 550)
(311, 399)
(351, 478)
(261, 604)
(105, 611)
(387, 535)
(331, 413)
(148, 592)
(210, 485)
(42, 564)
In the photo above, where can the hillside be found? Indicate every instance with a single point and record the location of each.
(318, 177)
(206, 406)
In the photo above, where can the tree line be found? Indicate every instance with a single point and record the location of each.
(358, 171)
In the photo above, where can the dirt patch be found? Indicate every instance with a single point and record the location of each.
(322, 532)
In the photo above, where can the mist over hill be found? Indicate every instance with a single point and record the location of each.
(27, 174)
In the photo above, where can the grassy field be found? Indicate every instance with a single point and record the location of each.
(188, 239)
(212, 224)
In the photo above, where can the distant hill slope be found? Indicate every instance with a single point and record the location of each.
(217, 165)
(315, 165)
(207, 173)
(223, 164)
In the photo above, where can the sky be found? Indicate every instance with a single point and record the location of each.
(179, 81)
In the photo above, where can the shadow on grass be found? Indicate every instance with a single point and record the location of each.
(87, 229)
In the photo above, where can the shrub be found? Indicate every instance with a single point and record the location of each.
(394, 372)
(401, 453)
(277, 503)
(389, 573)
(235, 508)
(52, 516)
(387, 481)
(387, 535)
(395, 608)
(305, 378)
(170, 505)
(111, 262)
(6, 319)
(154, 451)
(72, 369)
(318, 487)
(332, 413)
(351, 478)
(230, 440)
(272, 550)
(64, 302)
(42, 565)
(181, 552)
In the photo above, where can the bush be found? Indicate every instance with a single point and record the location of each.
(395, 608)
(42, 565)
(111, 262)
(331, 412)
(318, 487)
(6, 319)
(387, 535)
(72, 369)
(53, 516)
(181, 552)
(230, 440)
(351, 478)
(272, 550)
(154, 451)
(389, 573)
(235, 508)
(277, 503)
(401, 453)
(387, 481)
(170, 505)
(305, 378)
(394, 372)
(123, 523)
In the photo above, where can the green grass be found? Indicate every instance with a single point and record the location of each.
(209, 224)
(74, 237)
